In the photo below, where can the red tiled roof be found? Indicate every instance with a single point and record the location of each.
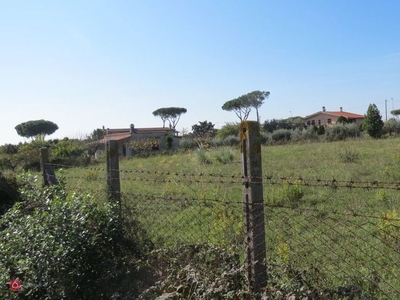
(346, 114)
(338, 114)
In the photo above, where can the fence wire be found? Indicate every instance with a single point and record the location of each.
(348, 249)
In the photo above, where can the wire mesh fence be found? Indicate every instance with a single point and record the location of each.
(339, 246)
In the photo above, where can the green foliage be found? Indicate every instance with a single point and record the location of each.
(9, 149)
(223, 155)
(204, 129)
(391, 126)
(199, 271)
(202, 134)
(289, 123)
(36, 128)
(292, 191)
(8, 192)
(68, 152)
(388, 227)
(348, 156)
(340, 132)
(395, 112)
(321, 130)
(96, 135)
(64, 245)
(281, 136)
(29, 154)
(242, 105)
(306, 134)
(142, 145)
(342, 120)
(229, 129)
(373, 123)
(170, 114)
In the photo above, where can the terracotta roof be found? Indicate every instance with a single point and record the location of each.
(346, 114)
(338, 114)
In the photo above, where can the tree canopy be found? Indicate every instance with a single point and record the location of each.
(242, 105)
(373, 123)
(36, 128)
(170, 114)
(204, 129)
(395, 112)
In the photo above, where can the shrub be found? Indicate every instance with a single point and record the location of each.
(281, 136)
(223, 155)
(197, 272)
(68, 152)
(230, 128)
(308, 134)
(340, 132)
(187, 144)
(64, 246)
(231, 140)
(348, 156)
(388, 227)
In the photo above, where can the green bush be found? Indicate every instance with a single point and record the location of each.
(229, 129)
(340, 132)
(308, 134)
(348, 156)
(65, 246)
(281, 136)
(68, 152)
(231, 140)
(197, 272)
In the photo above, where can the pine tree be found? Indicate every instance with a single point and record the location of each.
(373, 123)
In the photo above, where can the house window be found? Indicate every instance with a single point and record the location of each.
(319, 122)
(313, 122)
(329, 121)
(308, 123)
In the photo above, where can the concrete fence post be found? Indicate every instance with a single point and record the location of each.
(113, 180)
(48, 175)
(253, 204)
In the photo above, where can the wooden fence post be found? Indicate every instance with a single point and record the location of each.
(113, 181)
(48, 175)
(253, 202)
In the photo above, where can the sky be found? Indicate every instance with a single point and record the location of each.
(88, 64)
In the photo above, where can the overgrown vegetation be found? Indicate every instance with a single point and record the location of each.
(64, 245)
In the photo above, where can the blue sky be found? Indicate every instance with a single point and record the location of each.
(85, 64)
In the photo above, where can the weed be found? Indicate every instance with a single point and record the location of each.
(348, 156)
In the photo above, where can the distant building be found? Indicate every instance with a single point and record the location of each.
(148, 139)
(329, 118)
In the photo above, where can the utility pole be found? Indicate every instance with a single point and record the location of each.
(386, 108)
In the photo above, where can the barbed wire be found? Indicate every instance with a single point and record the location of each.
(265, 180)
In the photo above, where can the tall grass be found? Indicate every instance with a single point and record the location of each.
(333, 233)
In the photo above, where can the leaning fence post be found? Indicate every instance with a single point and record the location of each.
(113, 182)
(48, 175)
(253, 203)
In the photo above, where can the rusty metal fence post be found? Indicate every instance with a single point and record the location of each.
(253, 203)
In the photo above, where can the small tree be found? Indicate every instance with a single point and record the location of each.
(170, 114)
(36, 128)
(342, 120)
(204, 129)
(396, 113)
(229, 129)
(373, 123)
(242, 105)
(202, 133)
(97, 134)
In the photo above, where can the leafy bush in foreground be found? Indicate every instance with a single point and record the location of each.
(64, 246)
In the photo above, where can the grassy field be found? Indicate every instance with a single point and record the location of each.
(330, 208)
